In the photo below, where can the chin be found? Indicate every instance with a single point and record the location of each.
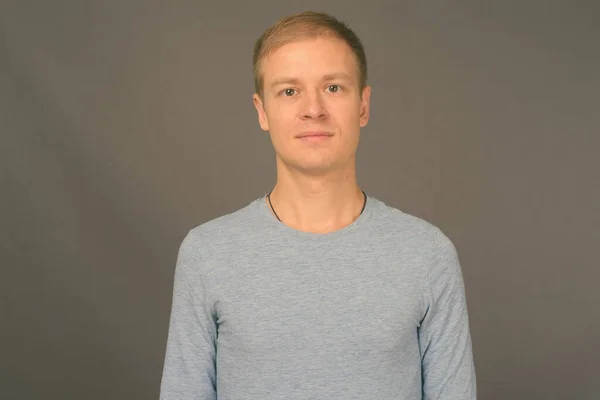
(316, 168)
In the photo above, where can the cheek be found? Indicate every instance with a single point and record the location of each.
(281, 126)
(280, 116)
(346, 116)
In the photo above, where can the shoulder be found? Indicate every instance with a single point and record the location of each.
(399, 228)
(393, 222)
(212, 241)
(422, 239)
(224, 230)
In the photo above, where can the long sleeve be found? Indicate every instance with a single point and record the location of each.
(448, 369)
(189, 369)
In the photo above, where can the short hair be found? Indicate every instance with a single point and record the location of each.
(308, 24)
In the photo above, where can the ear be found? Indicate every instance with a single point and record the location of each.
(365, 104)
(260, 109)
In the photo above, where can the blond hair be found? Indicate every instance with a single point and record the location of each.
(305, 25)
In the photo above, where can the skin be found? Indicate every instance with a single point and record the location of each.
(310, 86)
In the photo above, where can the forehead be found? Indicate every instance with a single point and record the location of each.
(310, 58)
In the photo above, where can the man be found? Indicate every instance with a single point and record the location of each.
(317, 290)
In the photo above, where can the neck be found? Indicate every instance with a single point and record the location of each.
(317, 204)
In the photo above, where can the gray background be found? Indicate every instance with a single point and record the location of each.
(126, 123)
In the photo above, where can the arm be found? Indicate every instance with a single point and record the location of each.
(444, 337)
(190, 367)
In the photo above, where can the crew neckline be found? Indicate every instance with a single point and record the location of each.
(284, 229)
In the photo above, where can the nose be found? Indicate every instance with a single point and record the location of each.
(313, 106)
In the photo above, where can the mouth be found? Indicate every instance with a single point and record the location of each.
(314, 135)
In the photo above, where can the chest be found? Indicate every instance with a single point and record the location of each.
(305, 303)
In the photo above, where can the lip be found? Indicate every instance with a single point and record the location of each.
(314, 134)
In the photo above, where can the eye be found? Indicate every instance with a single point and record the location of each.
(288, 92)
(333, 88)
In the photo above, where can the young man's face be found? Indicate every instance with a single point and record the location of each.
(312, 104)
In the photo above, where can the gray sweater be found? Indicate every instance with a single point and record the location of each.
(261, 311)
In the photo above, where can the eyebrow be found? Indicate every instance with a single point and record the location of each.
(326, 78)
(284, 80)
(336, 76)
